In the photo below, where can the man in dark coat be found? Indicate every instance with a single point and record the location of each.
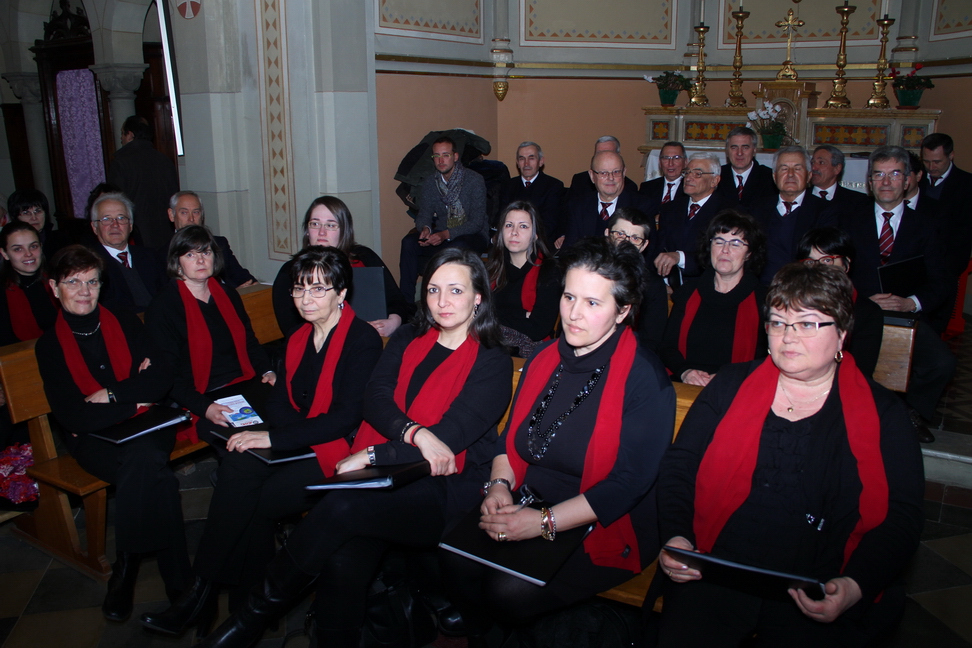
(826, 171)
(744, 180)
(581, 183)
(146, 176)
(544, 192)
(671, 162)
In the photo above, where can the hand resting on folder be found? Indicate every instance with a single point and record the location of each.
(243, 441)
(441, 459)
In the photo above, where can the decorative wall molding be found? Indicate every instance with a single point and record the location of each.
(454, 20)
(822, 28)
(951, 19)
(629, 24)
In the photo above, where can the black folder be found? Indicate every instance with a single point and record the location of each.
(367, 295)
(266, 455)
(764, 583)
(535, 560)
(253, 390)
(156, 418)
(387, 477)
(903, 278)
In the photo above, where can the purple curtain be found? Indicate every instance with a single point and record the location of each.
(77, 111)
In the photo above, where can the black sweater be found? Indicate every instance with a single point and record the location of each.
(165, 320)
(509, 306)
(45, 312)
(290, 428)
(66, 400)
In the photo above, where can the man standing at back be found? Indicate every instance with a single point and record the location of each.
(671, 162)
(826, 170)
(146, 176)
(581, 184)
(744, 180)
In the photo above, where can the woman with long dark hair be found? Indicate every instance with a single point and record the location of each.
(28, 304)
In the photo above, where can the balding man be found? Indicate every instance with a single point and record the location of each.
(588, 214)
(581, 183)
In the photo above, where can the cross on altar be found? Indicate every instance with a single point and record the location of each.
(788, 25)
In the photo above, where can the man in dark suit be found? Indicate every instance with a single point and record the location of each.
(185, 208)
(581, 184)
(133, 274)
(787, 217)
(588, 214)
(826, 171)
(671, 162)
(891, 232)
(683, 220)
(744, 180)
(544, 192)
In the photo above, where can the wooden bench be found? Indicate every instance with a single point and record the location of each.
(893, 368)
(51, 527)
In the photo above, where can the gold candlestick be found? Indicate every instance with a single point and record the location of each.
(736, 98)
(878, 99)
(698, 99)
(788, 25)
(838, 96)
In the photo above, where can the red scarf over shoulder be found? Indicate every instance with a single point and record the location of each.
(744, 335)
(528, 291)
(435, 396)
(119, 355)
(328, 454)
(725, 474)
(22, 319)
(615, 545)
(201, 341)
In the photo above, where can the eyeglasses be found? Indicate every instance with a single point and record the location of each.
(75, 284)
(622, 236)
(436, 156)
(696, 173)
(108, 220)
(825, 260)
(671, 158)
(733, 243)
(330, 226)
(776, 328)
(36, 211)
(317, 292)
(604, 175)
(878, 176)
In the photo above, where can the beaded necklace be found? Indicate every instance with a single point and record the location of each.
(544, 438)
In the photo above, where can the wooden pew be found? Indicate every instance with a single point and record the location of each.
(897, 349)
(51, 526)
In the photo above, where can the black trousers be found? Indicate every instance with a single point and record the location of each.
(414, 257)
(250, 496)
(932, 367)
(148, 509)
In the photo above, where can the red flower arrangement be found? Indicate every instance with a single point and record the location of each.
(15, 485)
(910, 81)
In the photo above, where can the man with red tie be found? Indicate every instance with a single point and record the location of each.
(744, 180)
(544, 192)
(892, 232)
(671, 162)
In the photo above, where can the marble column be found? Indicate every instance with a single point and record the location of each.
(121, 80)
(26, 87)
(906, 44)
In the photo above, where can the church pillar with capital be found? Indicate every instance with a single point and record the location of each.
(906, 46)
(121, 80)
(26, 87)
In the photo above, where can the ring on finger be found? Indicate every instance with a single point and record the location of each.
(501, 536)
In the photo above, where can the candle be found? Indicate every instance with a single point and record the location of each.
(885, 16)
(740, 7)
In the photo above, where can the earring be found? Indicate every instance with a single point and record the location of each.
(341, 306)
(839, 356)
(476, 310)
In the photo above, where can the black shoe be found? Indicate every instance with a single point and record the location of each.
(921, 428)
(121, 587)
(196, 607)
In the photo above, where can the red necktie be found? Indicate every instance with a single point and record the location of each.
(739, 189)
(789, 207)
(528, 183)
(604, 212)
(907, 202)
(934, 181)
(693, 210)
(886, 240)
(123, 257)
(668, 194)
(823, 194)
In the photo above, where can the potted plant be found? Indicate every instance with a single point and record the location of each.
(669, 85)
(768, 123)
(908, 87)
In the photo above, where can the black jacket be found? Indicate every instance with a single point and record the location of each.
(782, 242)
(115, 293)
(678, 233)
(546, 193)
(583, 214)
(760, 184)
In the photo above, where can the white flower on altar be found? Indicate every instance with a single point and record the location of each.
(751, 115)
(749, 124)
(649, 79)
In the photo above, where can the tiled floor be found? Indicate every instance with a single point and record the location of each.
(45, 604)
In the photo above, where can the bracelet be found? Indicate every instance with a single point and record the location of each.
(371, 456)
(111, 395)
(506, 482)
(410, 424)
(548, 524)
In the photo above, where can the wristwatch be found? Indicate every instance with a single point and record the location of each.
(493, 482)
(371, 455)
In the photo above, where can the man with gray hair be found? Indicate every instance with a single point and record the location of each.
(826, 170)
(133, 274)
(682, 220)
(744, 179)
(794, 212)
(582, 185)
(185, 208)
(544, 192)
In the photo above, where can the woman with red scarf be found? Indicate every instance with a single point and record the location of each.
(98, 368)
(590, 422)
(716, 318)
(525, 279)
(437, 393)
(221, 350)
(319, 404)
(796, 463)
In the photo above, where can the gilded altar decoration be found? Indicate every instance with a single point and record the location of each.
(838, 96)
(698, 99)
(787, 73)
(878, 98)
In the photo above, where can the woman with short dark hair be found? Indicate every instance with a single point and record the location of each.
(31, 206)
(797, 463)
(98, 369)
(222, 349)
(716, 317)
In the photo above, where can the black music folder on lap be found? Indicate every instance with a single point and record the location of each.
(267, 455)
(253, 390)
(764, 583)
(367, 296)
(903, 278)
(535, 560)
(156, 418)
(388, 477)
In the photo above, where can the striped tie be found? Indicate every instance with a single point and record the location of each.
(739, 189)
(886, 240)
(668, 194)
(823, 194)
(123, 257)
(789, 207)
(693, 210)
(604, 211)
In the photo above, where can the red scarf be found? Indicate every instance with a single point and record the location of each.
(744, 334)
(435, 396)
(605, 545)
(357, 263)
(118, 353)
(528, 293)
(328, 454)
(22, 319)
(725, 474)
(201, 342)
